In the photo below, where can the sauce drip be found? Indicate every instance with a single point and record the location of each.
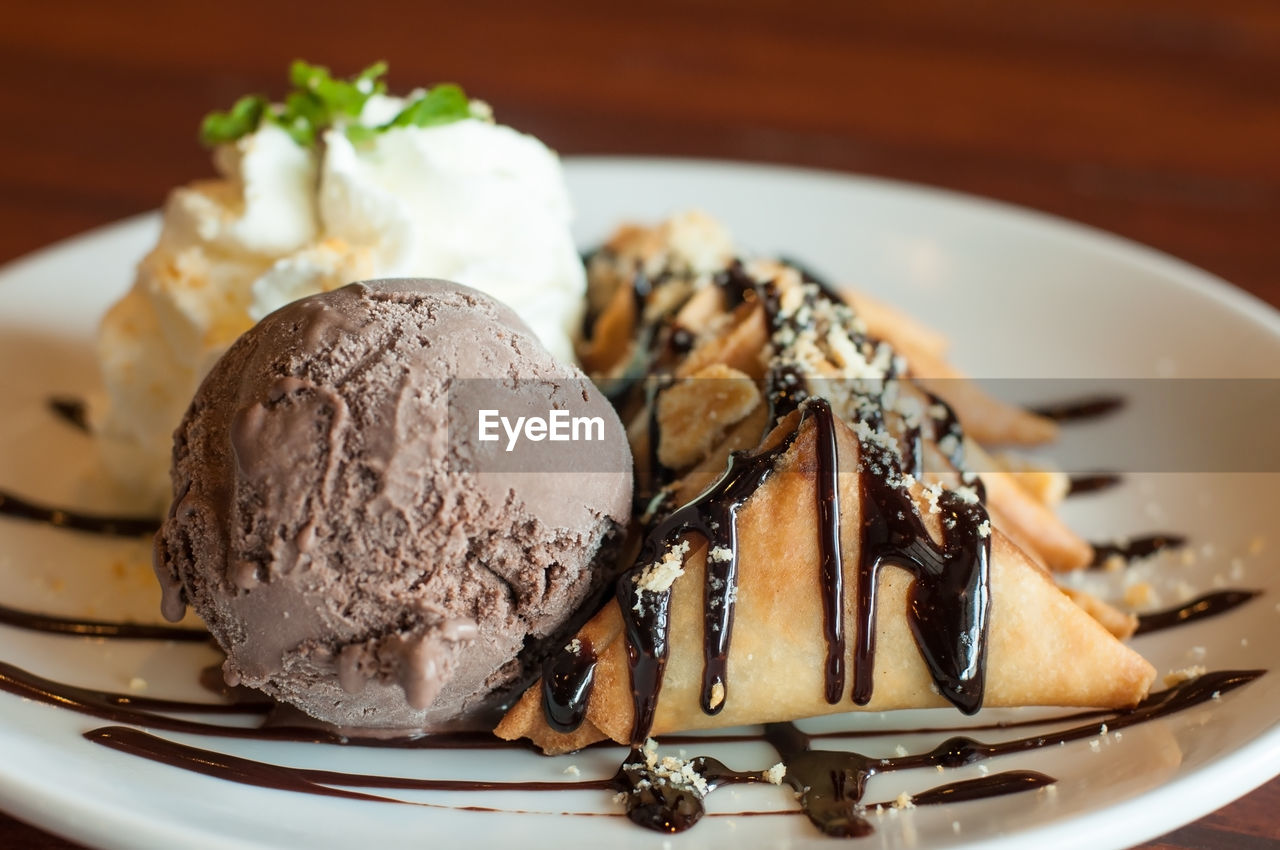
(655, 802)
(713, 515)
(567, 679)
(949, 603)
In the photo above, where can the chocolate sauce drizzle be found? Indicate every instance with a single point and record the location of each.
(713, 515)
(73, 411)
(1200, 608)
(1135, 548)
(111, 526)
(982, 788)
(1081, 409)
(949, 604)
(1093, 483)
(304, 780)
(96, 628)
(144, 711)
(70, 410)
(829, 784)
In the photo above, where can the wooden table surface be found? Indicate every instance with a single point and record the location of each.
(1156, 119)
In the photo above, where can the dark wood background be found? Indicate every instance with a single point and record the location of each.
(1155, 119)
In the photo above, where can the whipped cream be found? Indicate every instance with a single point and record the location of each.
(470, 201)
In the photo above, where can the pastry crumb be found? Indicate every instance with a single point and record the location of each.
(1138, 594)
(572, 770)
(1177, 677)
(931, 494)
(659, 575)
(904, 801)
(775, 774)
(1114, 563)
(723, 554)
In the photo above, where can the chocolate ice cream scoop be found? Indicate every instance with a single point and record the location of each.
(357, 544)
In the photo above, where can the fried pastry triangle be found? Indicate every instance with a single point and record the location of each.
(969, 613)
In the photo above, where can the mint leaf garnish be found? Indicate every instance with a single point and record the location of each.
(320, 101)
(443, 104)
(242, 118)
(358, 133)
(338, 97)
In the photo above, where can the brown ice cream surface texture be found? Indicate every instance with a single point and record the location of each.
(350, 554)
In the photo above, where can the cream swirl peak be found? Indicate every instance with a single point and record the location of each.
(309, 198)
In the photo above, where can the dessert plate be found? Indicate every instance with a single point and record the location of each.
(1020, 295)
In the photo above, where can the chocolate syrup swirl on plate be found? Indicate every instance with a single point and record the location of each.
(72, 411)
(1093, 483)
(12, 505)
(1081, 409)
(829, 784)
(96, 628)
(1135, 548)
(1200, 608)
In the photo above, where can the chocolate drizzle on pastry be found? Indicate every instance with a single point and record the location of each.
(567, 678)
(949, 603)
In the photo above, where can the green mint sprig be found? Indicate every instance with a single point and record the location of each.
(319, 101)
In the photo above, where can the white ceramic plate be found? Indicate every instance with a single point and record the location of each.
(1020, 295)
